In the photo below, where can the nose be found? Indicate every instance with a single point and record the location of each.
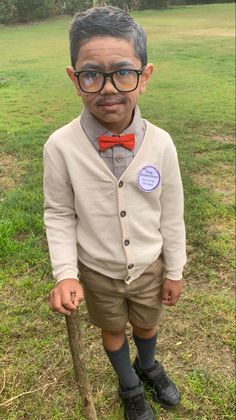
(108, 87)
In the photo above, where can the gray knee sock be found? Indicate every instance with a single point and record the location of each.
(120, 360)
(146, 350)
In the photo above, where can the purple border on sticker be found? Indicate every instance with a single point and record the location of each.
(148, 178)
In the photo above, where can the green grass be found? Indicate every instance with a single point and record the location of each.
(191, 95)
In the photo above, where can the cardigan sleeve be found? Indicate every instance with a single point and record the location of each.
(59, 216)
(172, 225)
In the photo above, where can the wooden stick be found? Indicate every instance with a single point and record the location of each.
(77, 353)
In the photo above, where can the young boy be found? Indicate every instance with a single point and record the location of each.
(114, 205)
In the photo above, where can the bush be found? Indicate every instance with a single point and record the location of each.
(28, 10)
(73, 6)
(7, 11)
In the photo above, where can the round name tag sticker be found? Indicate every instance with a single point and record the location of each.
(148, 178)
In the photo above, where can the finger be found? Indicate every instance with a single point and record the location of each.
(77, 301)
(165, 295)
(166, 302)
(77, 295)
(173, 299)
(69, 305)
(67, 300)
(57, 304)
(78, 298)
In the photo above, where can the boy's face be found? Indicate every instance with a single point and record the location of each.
(113, 109)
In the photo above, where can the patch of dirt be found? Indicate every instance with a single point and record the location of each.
(20, 236)
(220, 181)
(223, 139)
(10, 171)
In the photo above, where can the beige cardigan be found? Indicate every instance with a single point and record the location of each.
(116, 227)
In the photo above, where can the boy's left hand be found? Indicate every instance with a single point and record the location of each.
(171, 290)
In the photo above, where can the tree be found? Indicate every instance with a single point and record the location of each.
(153, 4)
(7, 11)
(28, 10)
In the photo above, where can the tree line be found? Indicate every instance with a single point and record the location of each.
(13, 11)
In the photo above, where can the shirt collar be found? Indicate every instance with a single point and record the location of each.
(93, 129)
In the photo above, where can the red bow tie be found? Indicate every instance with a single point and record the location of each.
(126, 140)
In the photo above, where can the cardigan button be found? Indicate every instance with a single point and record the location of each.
(123, 213)
(121, 184)
(126, 242)
(128, 278)
(130, 266)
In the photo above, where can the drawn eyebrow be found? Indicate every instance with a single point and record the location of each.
(94, 66)
(123, 64)
(90, 66)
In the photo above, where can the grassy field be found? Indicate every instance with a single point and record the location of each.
(191, 96)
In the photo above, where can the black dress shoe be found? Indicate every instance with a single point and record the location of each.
(135, 405)
(163, 389)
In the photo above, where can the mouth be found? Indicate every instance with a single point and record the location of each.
(110, 106)
(109, 103)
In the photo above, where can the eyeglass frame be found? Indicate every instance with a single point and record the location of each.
(110, 75)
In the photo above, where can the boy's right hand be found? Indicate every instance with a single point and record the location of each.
(65, 296)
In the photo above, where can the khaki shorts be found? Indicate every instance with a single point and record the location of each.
(112, 302)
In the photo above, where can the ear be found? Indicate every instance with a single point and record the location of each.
(73, 78)
(145, 77)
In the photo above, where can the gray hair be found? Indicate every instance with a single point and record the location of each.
(106, 21)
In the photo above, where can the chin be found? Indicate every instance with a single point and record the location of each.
(109, 118)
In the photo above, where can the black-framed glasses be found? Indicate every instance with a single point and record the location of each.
(93, 81)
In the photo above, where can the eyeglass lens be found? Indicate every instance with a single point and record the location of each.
(123, 80)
